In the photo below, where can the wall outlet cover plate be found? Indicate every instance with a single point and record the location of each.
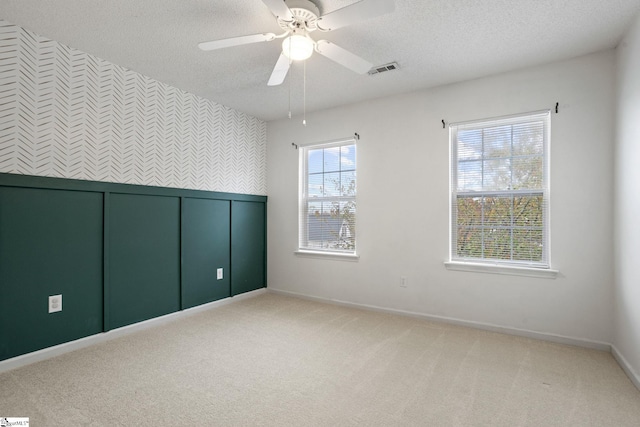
(55, 303)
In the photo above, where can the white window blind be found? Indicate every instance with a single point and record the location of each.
(327, 212)
(500, 190)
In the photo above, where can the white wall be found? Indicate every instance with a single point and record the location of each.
(403, 202)
(627, 203)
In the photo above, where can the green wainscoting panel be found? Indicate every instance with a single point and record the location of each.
(206, 239)
(248, 247)
(50, 244)
(118, 254)
(144, 257)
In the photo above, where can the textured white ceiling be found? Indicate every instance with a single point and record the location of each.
(435, 42)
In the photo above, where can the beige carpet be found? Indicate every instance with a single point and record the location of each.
(280, 361)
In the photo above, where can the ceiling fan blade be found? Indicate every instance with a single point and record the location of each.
(356, 12)
(279, 71)
(236, 41)
(343, 57)
(279, 9)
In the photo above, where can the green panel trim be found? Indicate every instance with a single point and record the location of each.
(182, 253)
(231, 248)
(106, 322)
(266, 241)
(30, 181)
(180, 248)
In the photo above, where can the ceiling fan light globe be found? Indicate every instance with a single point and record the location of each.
(297, 47)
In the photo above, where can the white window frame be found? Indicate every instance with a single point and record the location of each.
(304, 248)
(540, 268)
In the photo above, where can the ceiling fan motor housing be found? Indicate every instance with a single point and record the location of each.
(305, 15)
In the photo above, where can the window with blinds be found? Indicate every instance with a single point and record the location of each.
(500, 191)
(328, 197)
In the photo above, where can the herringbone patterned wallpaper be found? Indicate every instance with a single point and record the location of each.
(65, 113)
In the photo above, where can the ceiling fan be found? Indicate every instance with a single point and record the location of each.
(298, 18)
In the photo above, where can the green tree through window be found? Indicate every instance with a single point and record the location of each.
(500, 190)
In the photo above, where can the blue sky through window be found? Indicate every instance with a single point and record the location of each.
(328, 166)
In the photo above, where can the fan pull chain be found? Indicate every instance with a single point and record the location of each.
(290, 97)
(304, 95)
(290, 63)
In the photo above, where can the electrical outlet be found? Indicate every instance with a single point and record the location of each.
(219, 273)
(55, 303)
(403, 282)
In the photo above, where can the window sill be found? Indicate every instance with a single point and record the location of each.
(327, 255)
(544, 273)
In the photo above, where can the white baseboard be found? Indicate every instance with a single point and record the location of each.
(560, 339)
(49, 352)
(626, 367)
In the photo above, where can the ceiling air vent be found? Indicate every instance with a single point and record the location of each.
(384, 68)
